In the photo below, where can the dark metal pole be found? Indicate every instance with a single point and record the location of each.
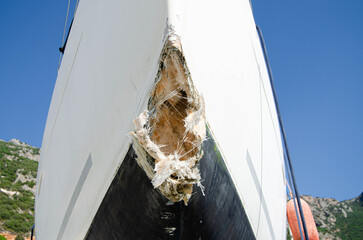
(32, 232)
(293, 198)
(61, 49)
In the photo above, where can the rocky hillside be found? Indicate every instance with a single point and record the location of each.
(337, 220)
(18, 170)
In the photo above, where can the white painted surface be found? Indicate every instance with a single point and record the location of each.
(93, 104)
(225, 59)
(107, 70)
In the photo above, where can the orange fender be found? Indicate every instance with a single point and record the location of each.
(309, 221)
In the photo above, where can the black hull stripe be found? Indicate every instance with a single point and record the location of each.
(132, 209)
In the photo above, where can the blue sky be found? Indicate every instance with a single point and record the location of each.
(315, 51)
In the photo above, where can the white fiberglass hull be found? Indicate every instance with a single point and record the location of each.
(107, 73)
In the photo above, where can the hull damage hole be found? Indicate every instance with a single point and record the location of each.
(168, 136)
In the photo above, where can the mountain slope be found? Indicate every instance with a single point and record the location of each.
(337, 220)
(18, 170)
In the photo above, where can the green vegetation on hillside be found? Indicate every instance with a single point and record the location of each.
(288, 235)
(338, 220)
(351, 227)
(17, 204)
